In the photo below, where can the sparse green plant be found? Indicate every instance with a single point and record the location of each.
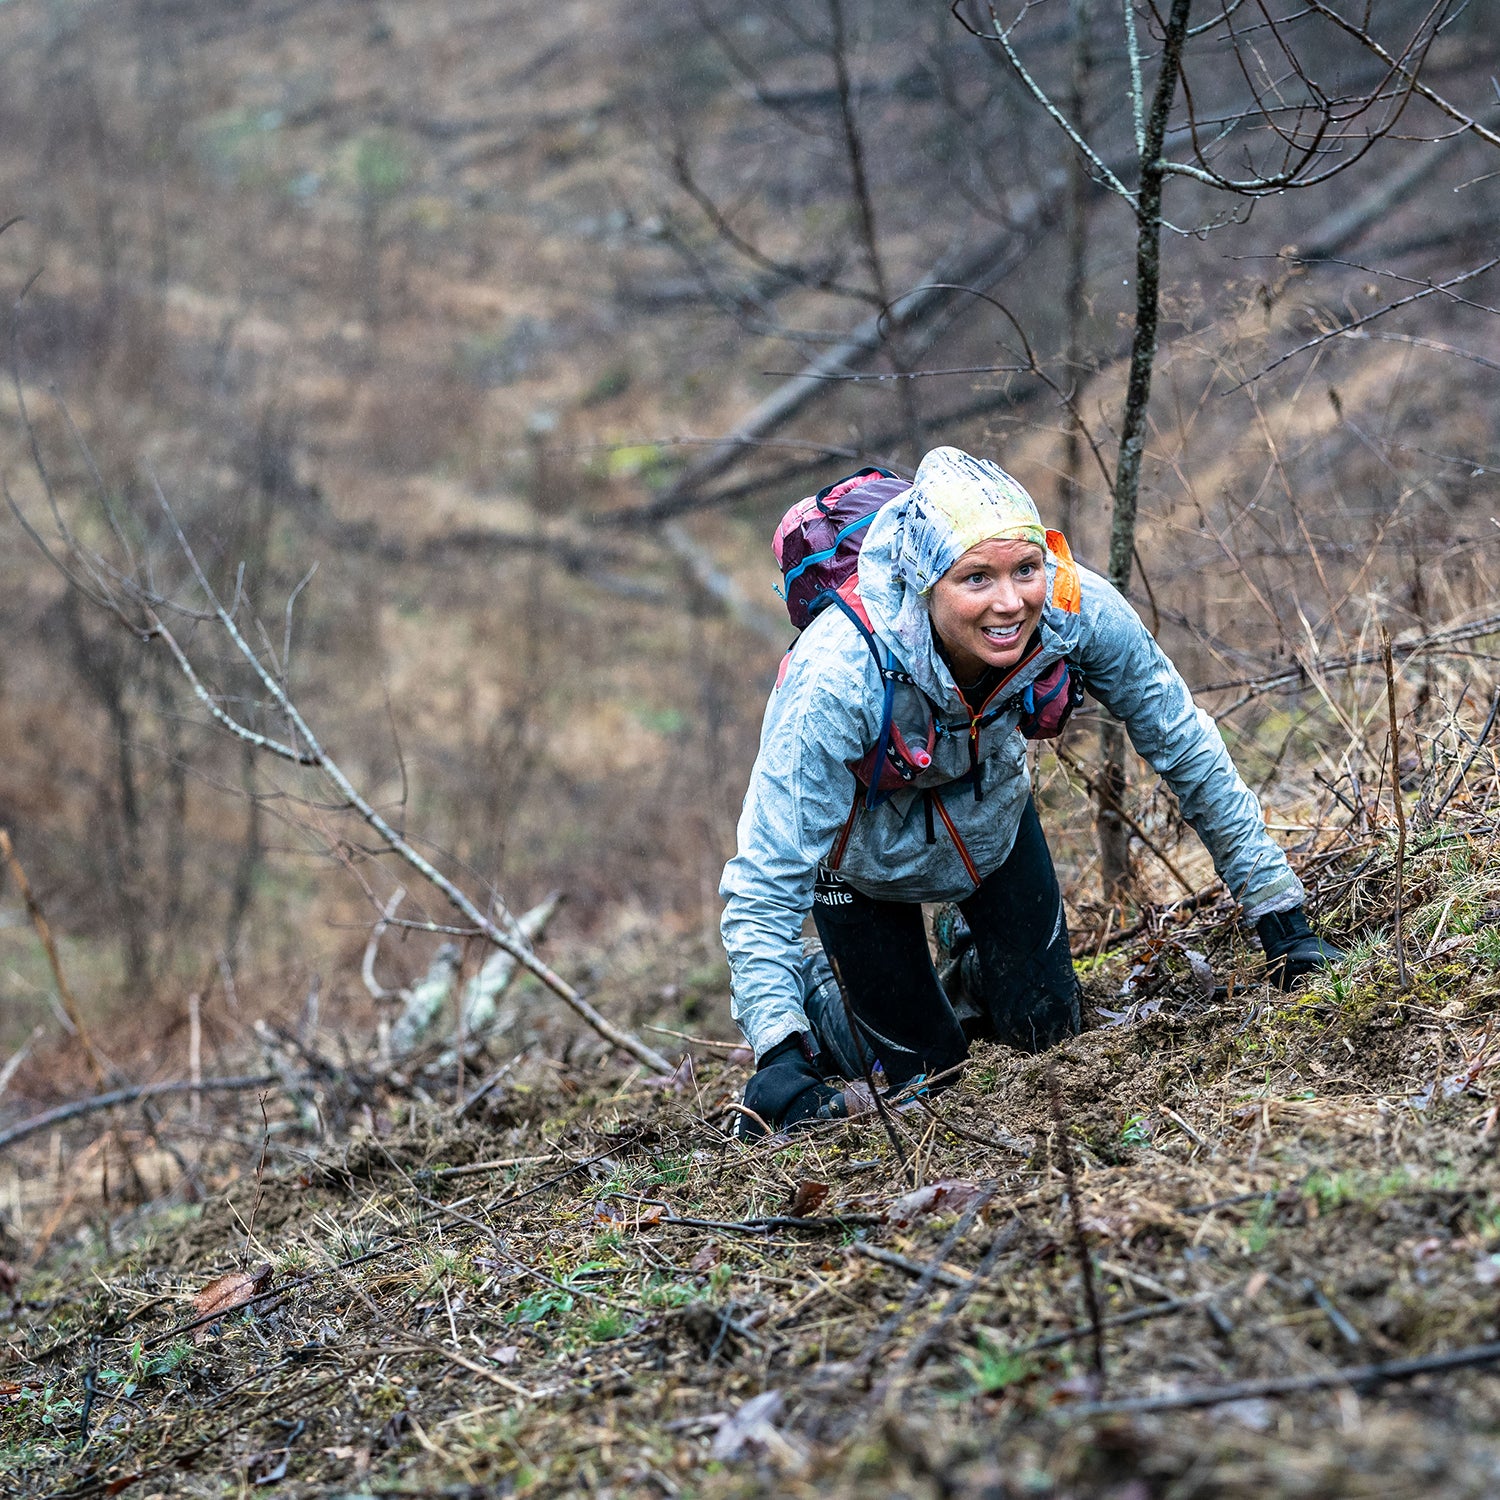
(662, 1292)
(605, 1325)
(1331, 1190)
(1486, 1220)
(540, 1306)
(1256, 1235)
(1135, 1132)
(1487, 948)
(292, 1260)
(670, 1171)
(992, 1369)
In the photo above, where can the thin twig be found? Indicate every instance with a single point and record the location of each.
(1484, 734)
(887, 1329)
(858, 1031)
(1292, 1385)
(49, 944)
(260, 1172)
(1096, 787)
(1116, 1320)
(923, 1344)
(1390, 701)
(1075, 1222)
(1354, 323)
(905, 1263)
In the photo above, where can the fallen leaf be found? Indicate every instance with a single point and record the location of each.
(705, 1260)
(752, 1429)
(608, 1211)
(225, 1293)
(807, 1198)
(277, 1472)
(948, 1196)
(1202, 971)
(858, 1100)
(505, 1354)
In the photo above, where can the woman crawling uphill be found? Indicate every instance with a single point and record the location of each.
(892, 771)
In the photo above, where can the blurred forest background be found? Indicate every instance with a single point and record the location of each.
(457, 300)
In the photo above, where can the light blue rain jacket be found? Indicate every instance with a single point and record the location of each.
(824, 716)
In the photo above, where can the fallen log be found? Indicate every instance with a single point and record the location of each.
(96, 1102)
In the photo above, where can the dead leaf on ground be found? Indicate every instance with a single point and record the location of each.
(949, 1196)
(807, 1198)
(752, 1429)
(705, 1260)
(607, 1211)
(505, 1354)
(858, 1100)
(227, 1292)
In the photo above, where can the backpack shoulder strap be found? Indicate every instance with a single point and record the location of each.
(847, 598)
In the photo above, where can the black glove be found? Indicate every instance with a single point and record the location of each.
(1292, 947)
(786, 1089)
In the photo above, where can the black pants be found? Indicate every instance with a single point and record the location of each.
(1019, 973)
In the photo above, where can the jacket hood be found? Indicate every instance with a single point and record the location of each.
(955, 502)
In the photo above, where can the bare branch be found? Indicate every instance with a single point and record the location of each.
(1430, 289)
(1137, 94)
(1001, 36)
(367, 964)
(1363, 37)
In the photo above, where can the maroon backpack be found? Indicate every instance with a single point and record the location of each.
(817, 544)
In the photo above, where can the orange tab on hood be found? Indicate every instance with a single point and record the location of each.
(1067, 591)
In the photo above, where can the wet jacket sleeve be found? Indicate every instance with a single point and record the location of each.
(1133, 678)
(818, 722)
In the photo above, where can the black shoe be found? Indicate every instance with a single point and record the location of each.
(1293, 949)
(952, 934)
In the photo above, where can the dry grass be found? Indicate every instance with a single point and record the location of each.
(576, 1289)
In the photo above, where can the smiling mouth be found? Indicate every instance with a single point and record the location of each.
(1003, 634)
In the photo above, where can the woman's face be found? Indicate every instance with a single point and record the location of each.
(986, 605)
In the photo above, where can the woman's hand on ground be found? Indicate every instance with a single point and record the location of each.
(786, 1089)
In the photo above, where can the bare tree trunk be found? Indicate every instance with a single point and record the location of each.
(864, 201)
(175, 850)
(1147, 303)
(252, 852)
(1079, 188)
(1114, 840)
(120, 829)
